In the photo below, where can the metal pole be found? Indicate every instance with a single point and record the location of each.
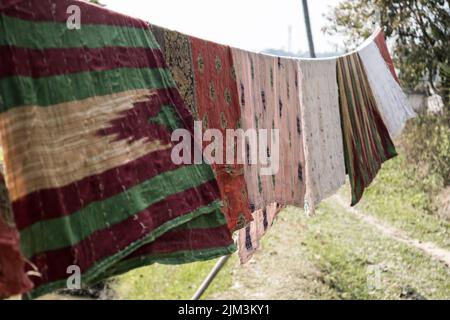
(205, 284)
(312, 52)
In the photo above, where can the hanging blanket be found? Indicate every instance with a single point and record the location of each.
(322, 133)
(268, 95)
(249, 240)
(366, 139)
(86, 118)
(205, 237)
(268, 92)
(391, 101)
(204, 74)
(13, 280)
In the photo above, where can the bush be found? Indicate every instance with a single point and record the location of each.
(426, 143)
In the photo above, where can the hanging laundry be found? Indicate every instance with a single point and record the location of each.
(367, 143)
(200, 239)
(392, 103)
(86, 118)
(249, 238)
(380, 40)
(322, 133)
(268, 92)
(177, 52)
(204, 74)
(218, 108)
(13, 280)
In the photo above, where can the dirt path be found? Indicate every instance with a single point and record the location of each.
(429, 248)
(279, 270)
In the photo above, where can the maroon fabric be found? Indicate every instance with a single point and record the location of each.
(134, 118)
(174, 241)
(43, 205)
(380, 40)
(13, 279)
(52, 62)
(55, 262)
(56, 11)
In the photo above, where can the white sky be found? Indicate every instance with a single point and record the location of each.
(248, 24)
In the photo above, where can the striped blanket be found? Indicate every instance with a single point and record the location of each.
(367, 143)
(203, 71)
(86, 117)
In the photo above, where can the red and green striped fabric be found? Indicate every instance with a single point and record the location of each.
(367, 143)
(86, 117)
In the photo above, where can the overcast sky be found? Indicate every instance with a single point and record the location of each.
(248, 24)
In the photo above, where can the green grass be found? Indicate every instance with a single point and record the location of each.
(167, 282)
(346, 250)
(398, 198)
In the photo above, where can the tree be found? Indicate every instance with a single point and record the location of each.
(419, 28)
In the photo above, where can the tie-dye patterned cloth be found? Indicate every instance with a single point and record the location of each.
(367, 143)
(13, 279)
(324, 156)
(268, 92)
(391, 101)
(86, 118)
(204, 74)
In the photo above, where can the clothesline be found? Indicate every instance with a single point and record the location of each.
(87, 124)
(360, 47)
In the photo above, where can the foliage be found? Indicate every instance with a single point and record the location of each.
(445, 73)
(420, 29)
(426, 143)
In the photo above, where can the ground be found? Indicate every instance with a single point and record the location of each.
(339, 253)
(337, 256)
